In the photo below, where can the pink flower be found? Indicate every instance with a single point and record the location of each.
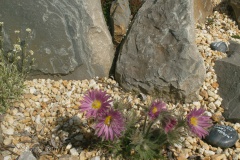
(95, 102)
(168, 123)
(110, 125)
(198, 122)
(155, 109)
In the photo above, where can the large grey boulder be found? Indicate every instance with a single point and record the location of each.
(202, 9)
(228, 77)
(159, 55)
(68, 37)
(120, 18)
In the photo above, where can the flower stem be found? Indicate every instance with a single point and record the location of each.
(144, 125)
(150, 125)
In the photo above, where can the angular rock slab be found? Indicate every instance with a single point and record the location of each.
(67, 36)
(120, 19)
(202, 9)
(228, 77)
(222, 136)
(235, 4)
(159, 55)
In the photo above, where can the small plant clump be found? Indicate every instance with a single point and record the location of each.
(14, 67)
(128, 134)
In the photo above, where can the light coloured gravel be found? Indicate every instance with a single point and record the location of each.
(50, 109)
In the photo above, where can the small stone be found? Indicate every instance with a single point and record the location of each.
(74, 152)
(95, 158)
(217, 117)
(204, 94)
(69, 146)
(8, 131)
(7, 157)
(7, 141)
(219, 46)
(215, 85)
(32, 90)
(222, 136)
(27, 155)
(208, 153)
(218, 157)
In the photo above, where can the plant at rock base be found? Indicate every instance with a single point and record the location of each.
(128, 134)
(156, 108)
(110, 125)
(14, 68)
(95, 102)
(198, 122)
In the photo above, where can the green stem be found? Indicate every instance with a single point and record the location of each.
(150, 125)
(144, 125)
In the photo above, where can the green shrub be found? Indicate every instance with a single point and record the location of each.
(14, 67)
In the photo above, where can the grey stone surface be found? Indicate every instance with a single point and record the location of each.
(27, 155)
(68, 37)
(202, 9)
(120, 19)
(235, 4)
(222, 136)
(159, 54)
(228, 77)
(219, 46)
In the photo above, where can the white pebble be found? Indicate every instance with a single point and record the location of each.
(95, 158)
(32, 90)
(217, 103)
(7, 157)
(74, 152)
(8, 131)
(197, 104)
(208, 153)
(37, 119)
(69, 146)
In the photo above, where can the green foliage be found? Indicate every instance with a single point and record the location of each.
(209, 21)
(14, 67)
(235, 36)
(146, 140)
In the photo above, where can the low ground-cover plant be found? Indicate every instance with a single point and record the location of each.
(14, 68)
(129, 135)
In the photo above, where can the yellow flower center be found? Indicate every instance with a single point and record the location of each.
(96, 104)
(108, 120)
(154, 110)
(194, 121)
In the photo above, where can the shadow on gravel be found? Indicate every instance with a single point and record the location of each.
(69, 132)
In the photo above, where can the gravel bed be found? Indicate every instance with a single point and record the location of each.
(48, 114)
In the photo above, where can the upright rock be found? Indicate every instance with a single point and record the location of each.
(120, 19)
(235, 4)
(228, 76)
(159, 55)
(68, 37)
(202, 9)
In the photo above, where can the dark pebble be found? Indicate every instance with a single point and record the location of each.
(222, 136)
(219, 46)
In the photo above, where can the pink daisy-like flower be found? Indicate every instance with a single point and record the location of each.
(168, 123)
(198, 122)
(155, 109)
(95, 102)
(110, 125)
